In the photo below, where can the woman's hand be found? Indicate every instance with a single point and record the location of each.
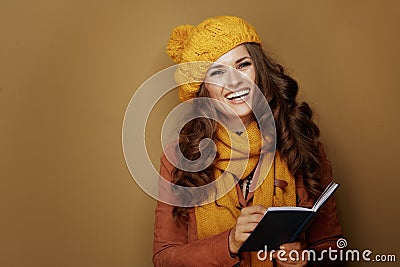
(287, 256)
(245, 224)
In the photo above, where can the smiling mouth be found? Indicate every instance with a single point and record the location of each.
(238, 94)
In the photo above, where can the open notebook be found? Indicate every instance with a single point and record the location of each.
(281, 225)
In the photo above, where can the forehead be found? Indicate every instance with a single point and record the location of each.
(233, 55)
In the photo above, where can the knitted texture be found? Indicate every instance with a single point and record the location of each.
(205, 42)
(238, 157)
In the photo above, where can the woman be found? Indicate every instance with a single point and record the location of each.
(211, 234)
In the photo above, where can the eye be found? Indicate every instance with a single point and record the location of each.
(216, 72)
(244, 64)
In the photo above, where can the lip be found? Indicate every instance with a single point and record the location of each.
(231, 92)
(238, 100)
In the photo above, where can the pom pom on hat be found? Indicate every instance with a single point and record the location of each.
(177, 41)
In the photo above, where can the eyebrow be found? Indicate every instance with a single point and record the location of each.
(241, 59)
(236, 62)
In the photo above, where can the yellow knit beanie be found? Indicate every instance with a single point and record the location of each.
(205, 42)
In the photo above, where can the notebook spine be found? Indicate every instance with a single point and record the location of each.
(301, 228)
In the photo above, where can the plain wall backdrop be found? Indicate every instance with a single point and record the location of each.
(69, 68)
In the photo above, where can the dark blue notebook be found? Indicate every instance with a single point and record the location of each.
(281, 225)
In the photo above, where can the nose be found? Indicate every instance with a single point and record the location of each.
(234, 79)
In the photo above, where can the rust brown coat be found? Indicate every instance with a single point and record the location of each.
(178, 245)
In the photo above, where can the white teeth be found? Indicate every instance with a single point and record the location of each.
(238, 94)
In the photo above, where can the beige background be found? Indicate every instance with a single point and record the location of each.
(69, 68)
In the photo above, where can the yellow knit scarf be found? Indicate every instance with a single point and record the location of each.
(238, 153)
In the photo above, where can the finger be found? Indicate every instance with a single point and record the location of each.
(249, 218)
(291, 260)
(292, 257)
(293, 246)
(245, 228)
(241, 237)
(254, 209)
(279, 254)
(289, 263)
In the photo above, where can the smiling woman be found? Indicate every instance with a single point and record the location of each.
(231, 80)
(240, 74)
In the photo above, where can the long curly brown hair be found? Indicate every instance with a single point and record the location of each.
(296, 133)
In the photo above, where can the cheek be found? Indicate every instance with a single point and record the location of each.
(213, 90)
(251, 74)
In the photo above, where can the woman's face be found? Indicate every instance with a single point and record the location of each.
(230, 79)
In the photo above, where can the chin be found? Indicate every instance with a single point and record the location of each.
(243, 112)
